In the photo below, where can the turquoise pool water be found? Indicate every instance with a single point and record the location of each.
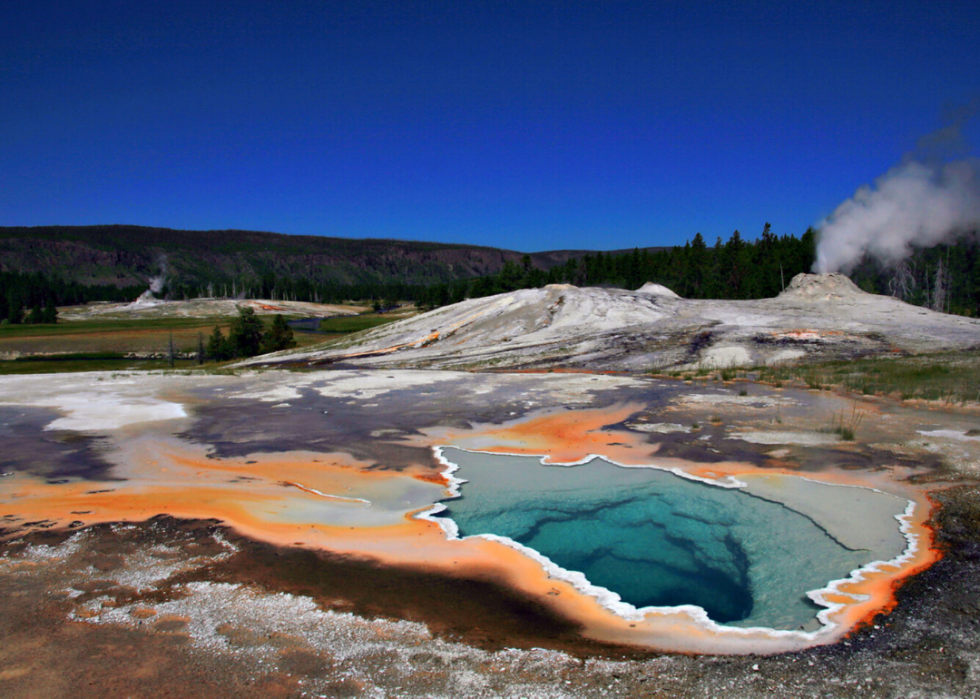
(658, 539)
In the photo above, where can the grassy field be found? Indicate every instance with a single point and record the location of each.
(69, 364)
(343, 325)
(94, 345)
(952, 377)
(94, 336)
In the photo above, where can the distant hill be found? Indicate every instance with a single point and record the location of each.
(123, 255)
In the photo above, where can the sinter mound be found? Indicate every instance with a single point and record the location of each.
(819, 317)
(822, 287)
(657, 290)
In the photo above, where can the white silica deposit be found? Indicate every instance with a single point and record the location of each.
(657, 290)
(95, 401)
(817, 316)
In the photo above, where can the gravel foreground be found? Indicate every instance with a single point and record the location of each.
(86, 615)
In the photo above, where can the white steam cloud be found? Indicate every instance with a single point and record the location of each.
(157, 282)
(921, 202)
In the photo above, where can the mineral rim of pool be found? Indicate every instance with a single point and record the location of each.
(777, 554)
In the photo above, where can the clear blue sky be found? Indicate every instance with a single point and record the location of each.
(526, 125)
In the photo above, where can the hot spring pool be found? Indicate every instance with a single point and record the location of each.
(747, 555)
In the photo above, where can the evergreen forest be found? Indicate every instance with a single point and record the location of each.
(945, 277)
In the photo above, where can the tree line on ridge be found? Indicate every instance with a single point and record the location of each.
(945, 277)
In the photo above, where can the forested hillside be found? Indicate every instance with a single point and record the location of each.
(192, 262)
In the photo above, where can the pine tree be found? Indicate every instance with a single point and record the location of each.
(50, 313)
(246, 333)
(697, 267)
(219, 348)
(734, 269)
(171, 350)
(36, 316)
(16, 313)
(939, 288)
(279, 336)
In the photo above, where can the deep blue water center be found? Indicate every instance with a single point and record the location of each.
(655, 538)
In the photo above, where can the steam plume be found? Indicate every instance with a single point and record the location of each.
(157, 282)
(921, 202)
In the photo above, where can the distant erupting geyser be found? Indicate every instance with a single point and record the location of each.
(157, 282)
(922, 202)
